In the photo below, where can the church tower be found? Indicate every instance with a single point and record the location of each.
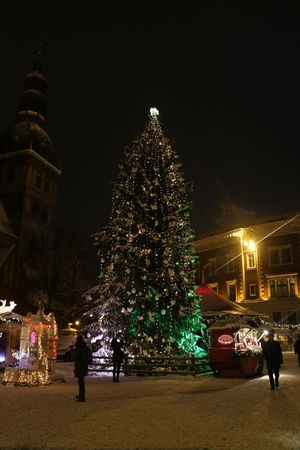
(29, 171)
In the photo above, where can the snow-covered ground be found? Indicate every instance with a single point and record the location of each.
(171, 412)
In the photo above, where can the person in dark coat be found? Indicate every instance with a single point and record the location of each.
(118, 356)
(273, 355)
(297, 348)
(82, 358)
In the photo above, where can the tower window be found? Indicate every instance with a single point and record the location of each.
(38, 181)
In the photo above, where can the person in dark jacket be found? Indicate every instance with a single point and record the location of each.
(118, 356)
(297, 348)
(273, 355)
(82, 357)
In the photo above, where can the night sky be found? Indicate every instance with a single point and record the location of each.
(225, 79)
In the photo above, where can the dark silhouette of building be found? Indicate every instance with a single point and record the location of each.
(29, 174)
(12, 273)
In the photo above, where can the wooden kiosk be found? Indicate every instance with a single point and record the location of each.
(38, 346)
(233, 333)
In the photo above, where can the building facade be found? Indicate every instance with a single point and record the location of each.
(257, 265)
(12, 272)
(29, 175)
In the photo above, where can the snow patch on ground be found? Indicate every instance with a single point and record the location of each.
(168, 412)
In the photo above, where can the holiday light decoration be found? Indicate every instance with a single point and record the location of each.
(4, 308)
(225, 339)
(37, 352)
(146, 281)
(10, 325)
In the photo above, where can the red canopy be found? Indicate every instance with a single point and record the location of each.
(213, 303)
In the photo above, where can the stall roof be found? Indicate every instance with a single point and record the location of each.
(8, 316)
(215, 304)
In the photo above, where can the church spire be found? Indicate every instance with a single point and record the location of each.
(32, 101)
(28, 131)
(38, 61)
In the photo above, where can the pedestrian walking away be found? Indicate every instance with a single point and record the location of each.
(83, 357)
(297, 348)
(118, 357)
(272, 353)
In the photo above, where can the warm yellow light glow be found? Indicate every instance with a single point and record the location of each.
(77, 322)
(252, 246)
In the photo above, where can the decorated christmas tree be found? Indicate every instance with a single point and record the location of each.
(146, 290)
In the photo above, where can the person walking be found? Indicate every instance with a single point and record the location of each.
(83, 357)
(273, 355)
(118, 356)
(297, 348)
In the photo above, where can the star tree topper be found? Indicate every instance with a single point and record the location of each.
(154, 112)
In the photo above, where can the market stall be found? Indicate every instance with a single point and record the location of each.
(233, 333)
(37, 354)
(235, 347)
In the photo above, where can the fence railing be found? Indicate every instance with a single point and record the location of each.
(152, 365)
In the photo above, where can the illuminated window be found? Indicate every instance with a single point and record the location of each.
(231, 290)
(282, 287)
(280, 256)
(252, 290)
(251, 263)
